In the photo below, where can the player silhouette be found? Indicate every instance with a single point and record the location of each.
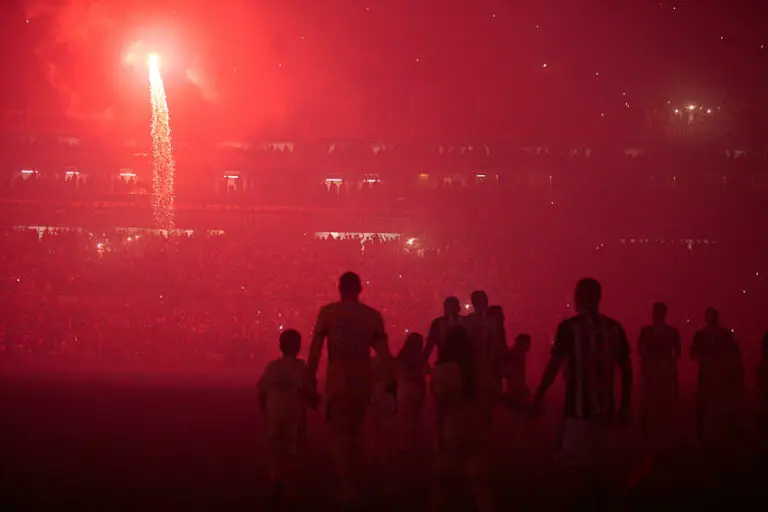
(351, 329)
(592, 346)
(659, 350)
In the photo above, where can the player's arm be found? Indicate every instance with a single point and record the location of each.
(625, 368)
(431, 342)
(677, 345)
(381, 347)
(316, 346)
(562, 340)
(696, 347)
(308, 391)
(263, 386)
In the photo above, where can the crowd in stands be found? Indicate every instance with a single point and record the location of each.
(137, 299)
(288, 173)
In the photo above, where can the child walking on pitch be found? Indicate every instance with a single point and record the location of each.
(285, 392)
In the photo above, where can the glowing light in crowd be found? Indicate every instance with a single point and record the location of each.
(163, 166)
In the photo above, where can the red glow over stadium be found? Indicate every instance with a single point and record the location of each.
(198, 196)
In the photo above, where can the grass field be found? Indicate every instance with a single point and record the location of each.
(194, 442)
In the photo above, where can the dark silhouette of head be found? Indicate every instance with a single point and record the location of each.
(290, 342)
(451, 306)
(587, 296)
(350, 286)
(412, 348)
(523, 342)
(712, 317)
(659, 313)
(479, 301)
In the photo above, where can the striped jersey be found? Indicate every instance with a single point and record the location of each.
(591, 348)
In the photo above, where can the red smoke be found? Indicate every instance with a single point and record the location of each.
(217, 52)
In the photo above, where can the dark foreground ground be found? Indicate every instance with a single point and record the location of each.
(80, 442)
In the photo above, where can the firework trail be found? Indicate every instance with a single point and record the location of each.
(163, 166)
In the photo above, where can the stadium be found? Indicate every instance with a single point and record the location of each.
(53, 163)
(183, 184)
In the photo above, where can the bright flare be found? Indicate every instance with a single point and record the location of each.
(153, 61)
(163, 166)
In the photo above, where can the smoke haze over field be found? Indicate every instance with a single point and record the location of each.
(89, 51)
(465, 70)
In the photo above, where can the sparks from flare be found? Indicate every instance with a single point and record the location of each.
(163, 166)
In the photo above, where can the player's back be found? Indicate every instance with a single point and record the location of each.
(592, 348)
(438, 329)
(461, 425)
(715, 350)
(659, 348)
(351, 328)
(488, 351)
(483, 330)
(284, 384)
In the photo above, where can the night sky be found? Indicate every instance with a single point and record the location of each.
(395, 68)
